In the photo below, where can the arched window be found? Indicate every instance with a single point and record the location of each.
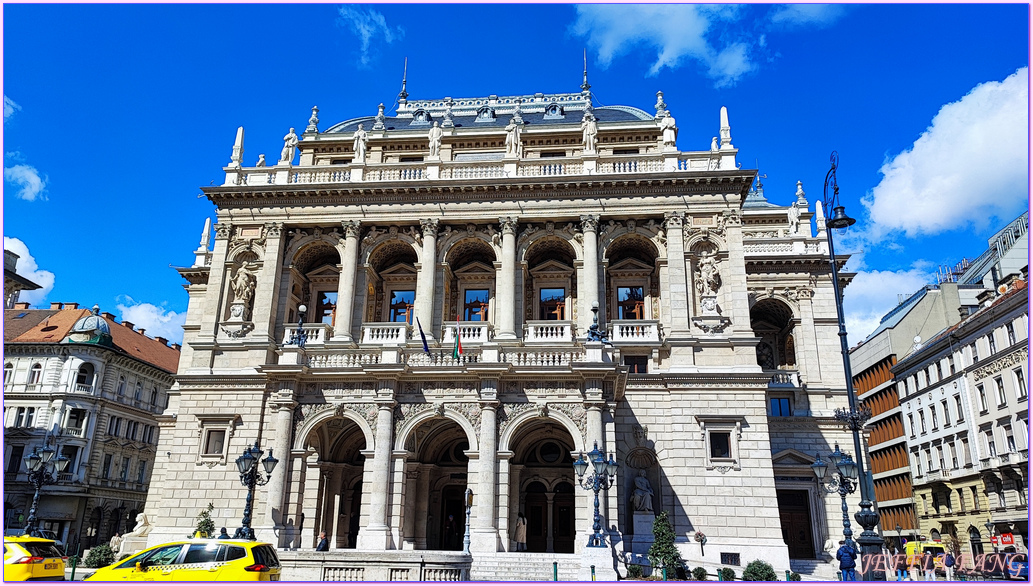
(934, 535)
(154, 396)
(35, 374)
(139, 391)
(85, 376)
(121, 386)
(8, 372)
(975, 541)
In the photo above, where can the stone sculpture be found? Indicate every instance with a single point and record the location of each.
(434, 137)
(642, 497)
(589, 132)
(794, 219)
(513, 146)
(359, 145)
(290, 145)
(708, 280)
(243, 285)
(670, 131)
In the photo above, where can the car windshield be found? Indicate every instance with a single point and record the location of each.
(42, 550)
(161, 556)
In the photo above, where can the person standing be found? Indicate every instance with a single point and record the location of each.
(948, 565)
(520, 534)
(900, 564)
(223, 534)
(324, 543)
(847, 557)
(929, 567)
(451, 532)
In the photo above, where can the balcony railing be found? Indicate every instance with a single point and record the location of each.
(444, 358)
(788, 378)
(551, 168)
(543, 357)
(472, 170)
(74, 431)
(632, 331)
(385, 333)
(470, 332)
(548, 331)
(343, 359)
(314, 333)
(78, 388)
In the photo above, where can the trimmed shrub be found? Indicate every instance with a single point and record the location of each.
(99, 557)
(205, 524)
(759, 571)
(663, 553)
(699, 574)
(726, 574)
(795, 577)
(634, 571)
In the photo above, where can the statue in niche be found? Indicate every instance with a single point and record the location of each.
(513, 146)
(434, 137)
(670, 131)
(359, 144)
(290, 145)
(642, 496)
(708, 279)
(243, 285)
(589, 132)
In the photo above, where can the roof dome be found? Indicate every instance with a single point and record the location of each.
(91, 328)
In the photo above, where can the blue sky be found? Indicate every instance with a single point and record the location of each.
(115, 115)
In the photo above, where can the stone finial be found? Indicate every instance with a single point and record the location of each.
(206, 234)
(238, 149)
(378, 122)
(661, 106)
(516, 113)
(801, 197)
(261, 160)
(726, 130)
(313, 121)
(819, 218)
(448, 122)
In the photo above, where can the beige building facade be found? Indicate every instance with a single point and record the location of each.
(605, 288)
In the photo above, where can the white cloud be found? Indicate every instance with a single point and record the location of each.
(28, 269)
(874, 293)
(9, 107)
(811, 15)
(677, 32)
(369, 26)
(28, 179)
(970, 165)
(157, 321)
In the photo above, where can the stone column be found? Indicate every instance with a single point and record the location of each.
(264, 314)
(484, 535)
(376, 534)
(589, 227)
(422, 505)
(505, 506)
(594, 429)
(346, 283)
(284, 405)
(213, 302)
(425, 281)
(679, 293)
(506, 282)
(333, 505)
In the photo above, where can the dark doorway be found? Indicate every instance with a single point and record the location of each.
(794, 512)
(563, 519)
(453, 517)
(537, 507)
(354, 515)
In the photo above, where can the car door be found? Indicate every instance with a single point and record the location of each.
(199, 563)
(151, 566)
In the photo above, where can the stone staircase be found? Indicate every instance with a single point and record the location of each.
(524, 567)
(814, 570)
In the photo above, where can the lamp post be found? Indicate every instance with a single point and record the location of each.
(990, 533)
(43, 470)
(601, 478)
(466, 530)
(854, 417)
(843, 481)
(299, 338)
(900, 538)
(247, 464)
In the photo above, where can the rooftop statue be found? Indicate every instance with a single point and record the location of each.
(434, 137)
(589, 132)
(290, 145)
(513, 146)
(669, 129)
(794, 219)
(359, 146)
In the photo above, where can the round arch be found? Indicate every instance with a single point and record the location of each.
(330, 413)
(541, 235)
(392, 235)
(414, 423)
(554, 415)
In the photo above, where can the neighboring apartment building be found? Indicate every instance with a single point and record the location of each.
(917, 319)
(964, 396)
(94, 386)
(503, 221)
(14, 283)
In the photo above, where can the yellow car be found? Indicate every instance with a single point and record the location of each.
(32, 558)
(206, 560)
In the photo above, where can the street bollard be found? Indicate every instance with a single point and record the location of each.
(839, 576)
(787, 575)
(665, 573)
(555, 572)
(75, 560)
(593, 573)
(720, 577)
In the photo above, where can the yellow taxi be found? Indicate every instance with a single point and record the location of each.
(32, 558)
(235, 560)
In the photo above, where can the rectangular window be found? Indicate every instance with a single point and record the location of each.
(932, 417)
(911, 424)
(636, 364)
(1020, 384)
(551, 304)
(630, 303)
(921, 420)
(975, 498)
(966, 454)
(991, 340)
(954, 456)
(939, 457)
(1010, 329)
(1001, 399)
(961, 412)
(140, 472)
(720, 445)
(154, 397)
(15, 463)
(215, 441)
(961, 500)
(326, 307)
(780, 407)
(982, 398)
(125, 469)
(950, 364)
(475, 305)
(918, 465)
(72, 453)
(113, 425)
(402, 306)
(1009, 437)
(729, 559)
(991, 447)
(946, 413)
(939, 371)
(552, 154)
(974, 349)
(138, 393)
(105, 471)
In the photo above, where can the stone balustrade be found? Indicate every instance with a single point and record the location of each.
(314, 333)
(73, 431)
(785, 378)
(550, 332)
(344, 359)
(385, 333)
(540, 358)
(470, 332)
(421, 358)
(634, 331)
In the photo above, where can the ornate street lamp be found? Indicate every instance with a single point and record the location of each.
(43, 470)
(247, 465)
(466, 532)
(601, 478)
(843, 481)
(855, 417)
(299, 337)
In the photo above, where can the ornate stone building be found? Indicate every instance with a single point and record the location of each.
(444, 266)
(94, 386)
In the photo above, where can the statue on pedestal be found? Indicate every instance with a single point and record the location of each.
(642, 497)
(670, 131)
(359, 145)
(290, 145)
(513, 146)
(589, 132)
(434, 137)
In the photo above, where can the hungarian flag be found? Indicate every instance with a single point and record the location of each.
(423, 336)
(457, 349)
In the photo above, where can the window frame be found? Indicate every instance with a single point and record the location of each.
(209, 422)
(721, 424)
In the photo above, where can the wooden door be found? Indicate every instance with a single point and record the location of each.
(537, 522)
(794, 513)
(563, 523)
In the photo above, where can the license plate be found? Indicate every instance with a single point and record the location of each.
(49, 566)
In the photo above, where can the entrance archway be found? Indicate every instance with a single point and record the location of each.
(340, 443)
(542, 474)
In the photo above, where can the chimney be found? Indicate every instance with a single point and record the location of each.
(108, 316)
(54, 305)
(141, 330)
(127, 324)
(162, 340)
(176, 347)
(21, 305)
(70, 306)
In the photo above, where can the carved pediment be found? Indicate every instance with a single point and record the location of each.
(630, 267)
(791, 458)
(475, 270)
(552, 268)
(398, 271)
(323, 271)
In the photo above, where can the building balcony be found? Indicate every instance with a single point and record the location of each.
(470, 332)
(85, 389)
(73, 431)
(383, 333)
(315, 334)
(413, 356)
(937, 476)
(548, 332)
(785, 378)
(634, 331)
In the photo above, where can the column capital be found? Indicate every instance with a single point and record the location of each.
(223, 230)
(430, 227)
(490, 404)
(508, 224)
(673, 220)
(273, 229)
(385, 403)
(351, 228)
(589, 223)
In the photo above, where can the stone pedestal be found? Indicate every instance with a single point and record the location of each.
(604, 561)
(131, 545)
(642, 539)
